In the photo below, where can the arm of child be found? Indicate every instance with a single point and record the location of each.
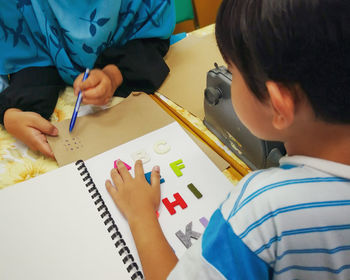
(26, 104)
(138, 201)
(31, 129)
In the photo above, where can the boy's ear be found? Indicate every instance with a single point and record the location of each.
(283, 105)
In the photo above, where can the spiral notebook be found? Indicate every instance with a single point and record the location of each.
(64, 225)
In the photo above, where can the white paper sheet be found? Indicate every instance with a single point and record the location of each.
(199, 171)
(50, 228)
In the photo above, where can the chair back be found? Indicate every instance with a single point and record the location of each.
(184, 10)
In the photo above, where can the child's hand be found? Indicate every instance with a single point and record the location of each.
(138, 201)
(100, 86)
(134, 197)
(30, 128)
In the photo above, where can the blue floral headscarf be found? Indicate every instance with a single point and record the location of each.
(70, 34)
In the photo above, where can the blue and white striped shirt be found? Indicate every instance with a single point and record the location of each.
(291, 222)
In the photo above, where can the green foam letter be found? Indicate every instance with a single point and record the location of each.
(176, 166)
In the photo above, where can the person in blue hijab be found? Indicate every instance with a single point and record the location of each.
(47, 44)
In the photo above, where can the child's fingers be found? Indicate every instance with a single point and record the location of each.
(155, 183)
(112, 191)
(44, 147)
(123, 171)
(96, 96)
(116, 178)
(43, 125)
(139, 169)
(155, 177)
(94, 101)
(77, 82)
(92, 81)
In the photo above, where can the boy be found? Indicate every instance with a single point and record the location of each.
(290, 64)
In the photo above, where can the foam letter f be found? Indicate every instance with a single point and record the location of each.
(176, 166)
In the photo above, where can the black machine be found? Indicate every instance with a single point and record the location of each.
(221, 119)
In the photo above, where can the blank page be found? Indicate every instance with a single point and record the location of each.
(51, 229)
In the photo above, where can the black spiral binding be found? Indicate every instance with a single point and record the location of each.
(122, 248)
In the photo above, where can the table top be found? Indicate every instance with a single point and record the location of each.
(237, 168)
(182, 93)
(19, 163)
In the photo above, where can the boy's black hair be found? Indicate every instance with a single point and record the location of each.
(300, 43)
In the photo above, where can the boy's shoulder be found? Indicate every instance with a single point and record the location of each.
(298, 178)
(293, 174)
(268, 203)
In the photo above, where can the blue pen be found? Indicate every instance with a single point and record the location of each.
(77, 103)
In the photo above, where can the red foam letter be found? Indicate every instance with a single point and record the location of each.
(178, 201)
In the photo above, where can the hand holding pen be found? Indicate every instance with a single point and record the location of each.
(101, 85)
(77, 103)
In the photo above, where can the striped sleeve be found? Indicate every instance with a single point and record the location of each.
(294, 219)
(225, 251)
